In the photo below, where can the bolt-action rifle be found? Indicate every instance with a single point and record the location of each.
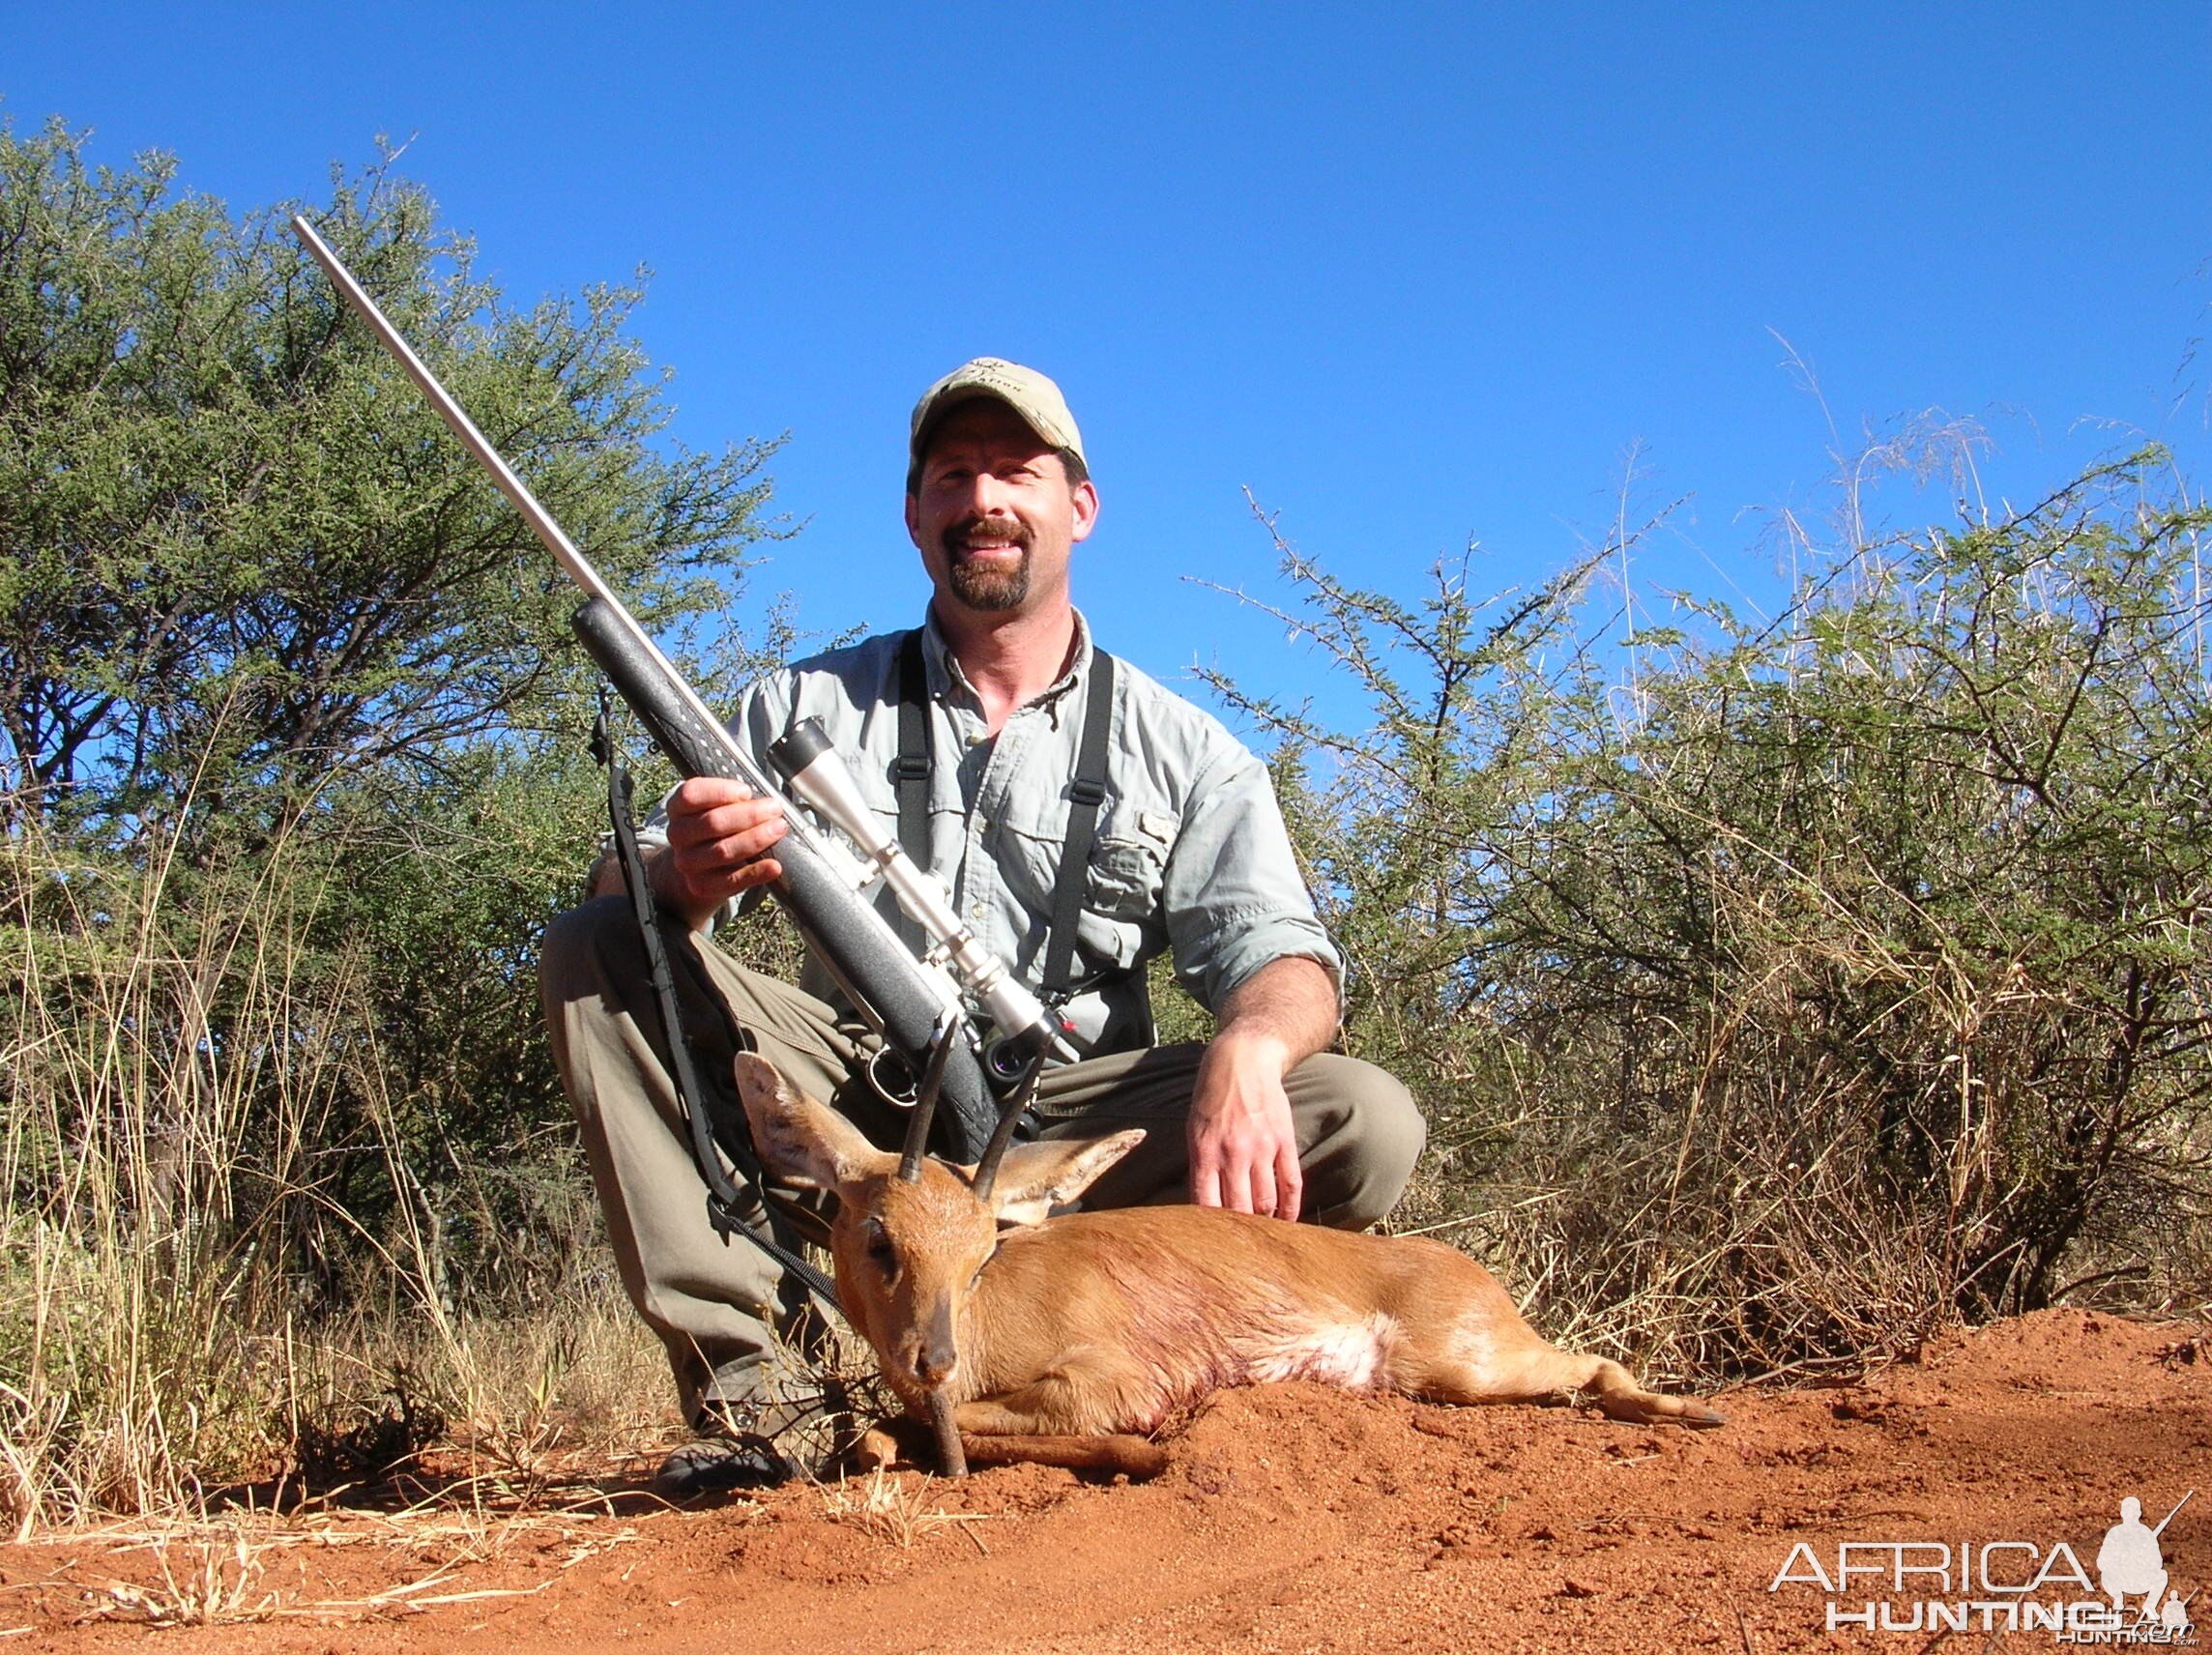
(917, 1004)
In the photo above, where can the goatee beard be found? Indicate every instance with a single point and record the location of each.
(991, 588)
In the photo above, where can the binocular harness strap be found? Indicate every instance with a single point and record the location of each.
(910, 775)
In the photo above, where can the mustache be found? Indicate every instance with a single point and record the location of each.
(974, 531)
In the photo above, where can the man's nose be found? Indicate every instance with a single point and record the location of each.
(989, 496)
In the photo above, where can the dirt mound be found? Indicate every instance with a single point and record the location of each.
(1299, 1518)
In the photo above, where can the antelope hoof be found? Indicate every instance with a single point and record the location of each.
(1137, 1458)
(877, 1450)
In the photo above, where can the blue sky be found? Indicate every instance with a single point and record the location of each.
(1410, 274)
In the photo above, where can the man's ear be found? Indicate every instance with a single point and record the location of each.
(1084, 516)
(1034, 1179)
(802, 1142)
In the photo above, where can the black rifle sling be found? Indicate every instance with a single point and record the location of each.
(910, 770)
(729, 1209)
(1087, 793)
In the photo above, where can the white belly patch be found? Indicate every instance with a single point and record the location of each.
(1350, 1355)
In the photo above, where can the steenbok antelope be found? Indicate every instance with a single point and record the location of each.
(1099, 1323)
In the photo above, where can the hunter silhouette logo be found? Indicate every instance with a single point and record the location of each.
(2130, 1564)
(2005, 1586)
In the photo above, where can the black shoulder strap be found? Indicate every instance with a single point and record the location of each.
(910, 774)
(731, 1207)
(1086, 793)
(910, 770)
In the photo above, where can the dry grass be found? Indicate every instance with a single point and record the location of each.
(178, 1064)
(891, 1507)
(251, 1565)
(136, 1176)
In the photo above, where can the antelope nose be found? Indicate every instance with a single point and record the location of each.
(935, 1360)
(939, 1352)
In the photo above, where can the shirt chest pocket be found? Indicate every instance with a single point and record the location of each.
(1122, 887)
(1129, 865)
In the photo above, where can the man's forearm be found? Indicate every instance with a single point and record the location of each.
(1287, 1009)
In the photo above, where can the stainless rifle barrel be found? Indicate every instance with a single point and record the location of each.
(541, 520)
(918, 891)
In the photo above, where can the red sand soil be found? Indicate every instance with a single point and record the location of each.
(1295, 1517)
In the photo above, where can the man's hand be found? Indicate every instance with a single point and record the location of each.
(717, 831)
(1243, 1150)
(1243, 1146)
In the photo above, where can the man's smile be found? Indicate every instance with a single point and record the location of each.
(993, 541)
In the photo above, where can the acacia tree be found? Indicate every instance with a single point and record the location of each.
(1824, 979)
(283, 677)
(238, 553)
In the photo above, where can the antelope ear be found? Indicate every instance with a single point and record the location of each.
(802, 1142)
(1034, 1179)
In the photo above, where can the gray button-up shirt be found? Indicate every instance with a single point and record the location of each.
(1191, 853)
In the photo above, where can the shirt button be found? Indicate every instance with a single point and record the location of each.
(977, 737)
(979, 911)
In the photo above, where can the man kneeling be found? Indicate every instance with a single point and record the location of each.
(986, 703)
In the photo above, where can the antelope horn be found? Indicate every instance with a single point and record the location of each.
(950, 1451)
(1010, 1118)
(916, 1145)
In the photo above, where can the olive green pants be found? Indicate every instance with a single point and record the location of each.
(712, 1300)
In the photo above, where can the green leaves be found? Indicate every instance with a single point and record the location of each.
(277, 661)
(1890, 909)
(238, 554)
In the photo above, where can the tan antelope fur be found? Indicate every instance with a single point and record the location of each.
(1090, 1323)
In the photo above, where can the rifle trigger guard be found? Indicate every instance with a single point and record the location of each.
(891, 1077)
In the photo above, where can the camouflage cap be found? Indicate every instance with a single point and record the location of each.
(1024, 390)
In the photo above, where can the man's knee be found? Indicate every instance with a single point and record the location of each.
(1373, 1137)
(583, 945)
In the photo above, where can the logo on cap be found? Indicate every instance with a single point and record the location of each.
(1024, 390)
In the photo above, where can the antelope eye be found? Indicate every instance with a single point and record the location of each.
(880, 1248)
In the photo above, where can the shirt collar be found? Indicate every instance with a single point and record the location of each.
(945, 677)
